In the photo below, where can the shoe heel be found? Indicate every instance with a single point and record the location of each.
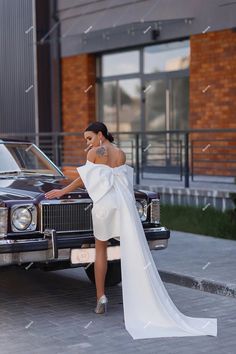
(105, 308)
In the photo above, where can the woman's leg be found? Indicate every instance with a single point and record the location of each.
(100, 266)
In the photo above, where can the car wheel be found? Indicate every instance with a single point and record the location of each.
(113, 276)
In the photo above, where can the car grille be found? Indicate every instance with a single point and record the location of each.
(66, 216)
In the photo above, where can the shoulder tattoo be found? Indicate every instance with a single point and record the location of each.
(101, 151)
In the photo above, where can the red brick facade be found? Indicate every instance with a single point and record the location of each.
(78, 101)
(78, 92)
(213, 80)
(213, 97)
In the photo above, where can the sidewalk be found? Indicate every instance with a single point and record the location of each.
(211, 183)
(198, 194)
(199, 262)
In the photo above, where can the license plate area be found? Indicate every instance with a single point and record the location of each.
(87, 255)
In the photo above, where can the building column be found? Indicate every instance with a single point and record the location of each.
(78, 102)
(212, 97)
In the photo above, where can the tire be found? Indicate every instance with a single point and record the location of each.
(113, 276)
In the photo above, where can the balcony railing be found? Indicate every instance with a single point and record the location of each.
(184, 156)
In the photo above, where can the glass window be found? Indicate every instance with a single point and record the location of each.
(23, 157)
(155, 105)
(120, 63)
(179, 102)
(122, 105)
(166, 57)
(110, 105)
(129, 105)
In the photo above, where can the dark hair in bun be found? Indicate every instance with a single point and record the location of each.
(96, 127)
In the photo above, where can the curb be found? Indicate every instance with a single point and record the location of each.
(209, 286)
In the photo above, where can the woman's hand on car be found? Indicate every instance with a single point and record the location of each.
(55, 193)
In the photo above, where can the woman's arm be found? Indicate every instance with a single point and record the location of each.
(57, 193)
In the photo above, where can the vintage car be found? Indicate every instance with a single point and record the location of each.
(57, 234)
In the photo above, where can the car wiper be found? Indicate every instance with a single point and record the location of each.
(10, 173)
(25, 172)
(30, 172)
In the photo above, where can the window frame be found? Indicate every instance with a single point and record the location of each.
(140, 75)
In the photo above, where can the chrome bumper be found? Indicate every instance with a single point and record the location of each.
(46, 249)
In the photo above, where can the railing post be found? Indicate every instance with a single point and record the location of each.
(56, 149)
(137, 162)
(59, 150)
(186, 159)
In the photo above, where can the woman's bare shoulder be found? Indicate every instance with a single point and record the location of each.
(122, 156)
(91, 155)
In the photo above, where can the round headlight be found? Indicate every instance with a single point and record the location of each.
(142, 210)
(21, 218)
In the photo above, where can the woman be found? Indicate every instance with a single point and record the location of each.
(101, 150)
(148, 310)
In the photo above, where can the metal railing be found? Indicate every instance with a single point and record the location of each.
(175, 155)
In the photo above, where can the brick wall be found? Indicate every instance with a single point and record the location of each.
(78, 102)
(213, 98)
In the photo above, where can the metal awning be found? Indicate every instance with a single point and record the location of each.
(103, 25)
(84, 17)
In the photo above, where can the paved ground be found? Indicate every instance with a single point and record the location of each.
(208, 261)
(50, 313)
(44, 313)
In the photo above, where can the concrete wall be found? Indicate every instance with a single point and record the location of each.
(105, 25)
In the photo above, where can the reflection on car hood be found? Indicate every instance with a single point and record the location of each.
(22, 188)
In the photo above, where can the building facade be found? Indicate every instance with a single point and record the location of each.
(148, 65)
(137, 65)
(152, 66)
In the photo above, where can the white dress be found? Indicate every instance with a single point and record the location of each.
(148, 310)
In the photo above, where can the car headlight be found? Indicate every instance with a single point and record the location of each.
(141, 206)
(23, 218)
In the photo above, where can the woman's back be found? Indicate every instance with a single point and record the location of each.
(107, 154)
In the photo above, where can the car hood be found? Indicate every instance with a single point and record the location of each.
(30, 188)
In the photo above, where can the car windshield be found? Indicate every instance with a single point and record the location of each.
(25, 158)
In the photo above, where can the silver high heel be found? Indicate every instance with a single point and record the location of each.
(101, 305)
